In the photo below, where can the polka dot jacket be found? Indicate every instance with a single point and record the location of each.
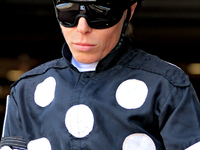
(133, 101)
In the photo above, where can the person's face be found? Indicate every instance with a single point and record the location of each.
(89, 45)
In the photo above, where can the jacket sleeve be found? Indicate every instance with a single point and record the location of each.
(12, 134)
(179, 120)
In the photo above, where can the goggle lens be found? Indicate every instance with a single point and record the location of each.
(97, 16)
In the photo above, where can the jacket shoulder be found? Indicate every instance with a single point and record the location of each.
(154, 64)
(41, 69)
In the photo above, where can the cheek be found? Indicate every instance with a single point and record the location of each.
(67, 33)
(111, 37)
(104, 39)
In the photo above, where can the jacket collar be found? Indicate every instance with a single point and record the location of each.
(107, 62)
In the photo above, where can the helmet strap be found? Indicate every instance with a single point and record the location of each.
(126, 22)
(125, 25)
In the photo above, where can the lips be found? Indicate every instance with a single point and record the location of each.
(84, 46)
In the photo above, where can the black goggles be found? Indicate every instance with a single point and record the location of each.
(97, 16)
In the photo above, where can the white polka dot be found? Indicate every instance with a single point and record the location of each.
(138, 142)
(79, 120)
(5, 148)
(131, 94)
(39, 144)
(45, 92)
(196, 146)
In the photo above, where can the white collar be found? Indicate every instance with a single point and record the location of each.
(84, 67)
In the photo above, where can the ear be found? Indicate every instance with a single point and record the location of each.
(133, 9)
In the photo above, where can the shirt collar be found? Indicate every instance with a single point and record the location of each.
(84, 67)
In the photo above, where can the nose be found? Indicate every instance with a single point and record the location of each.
(83, 26)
